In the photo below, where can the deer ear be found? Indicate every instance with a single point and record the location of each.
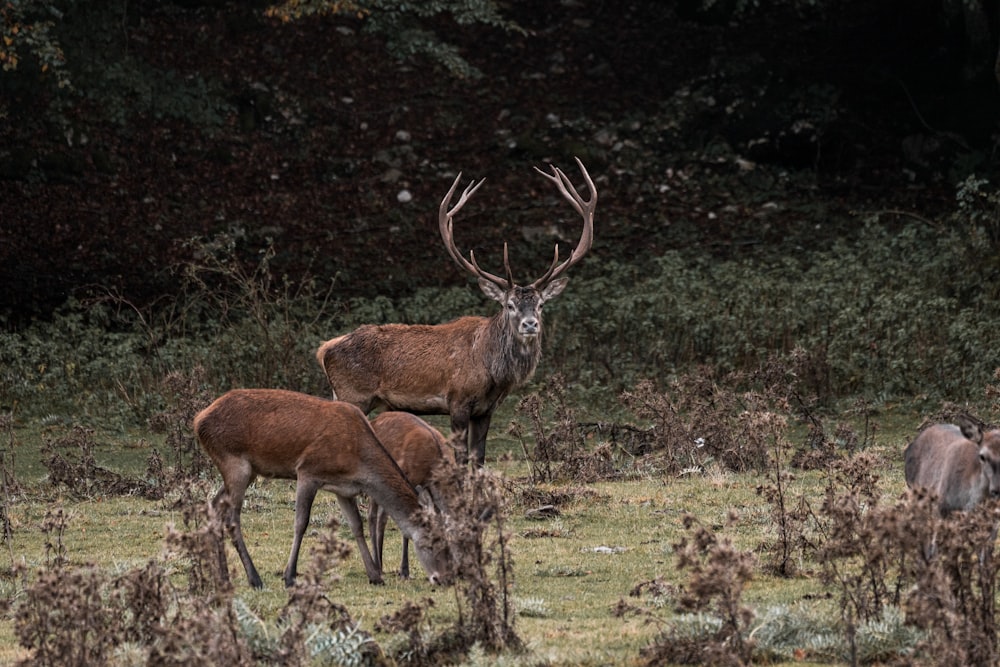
(491, 290)
(554, 288)
(970, 430)
(428, 499)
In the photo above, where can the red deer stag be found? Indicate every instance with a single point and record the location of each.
(417, 447)
(959, 464)
(322, 444)
(466, 367)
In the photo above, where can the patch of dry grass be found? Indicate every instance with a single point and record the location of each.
(573, 565)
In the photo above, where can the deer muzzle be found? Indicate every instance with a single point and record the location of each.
(529, 326)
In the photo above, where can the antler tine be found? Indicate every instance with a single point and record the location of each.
(506, 265)
(445, 225)
(466, 194)
(584, 208)
(568, 190)
(497, 280)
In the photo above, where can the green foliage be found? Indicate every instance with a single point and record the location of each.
(723, 10)
(402, 24)
(889, 313)
(124, 87)
(26, 26)
(104, 362)
(345, 646)
(86, 44)
(424, 306)
(71, 365)
(786, 632)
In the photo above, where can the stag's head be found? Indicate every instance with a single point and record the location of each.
(522, 305)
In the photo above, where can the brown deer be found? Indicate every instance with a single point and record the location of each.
(958, 463)
(466, 367)
(417, 447)
(322, 444)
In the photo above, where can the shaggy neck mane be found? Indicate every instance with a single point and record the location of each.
(510, 359)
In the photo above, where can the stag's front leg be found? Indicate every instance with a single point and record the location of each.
(478, 428)
(460, 419)
(350, 509)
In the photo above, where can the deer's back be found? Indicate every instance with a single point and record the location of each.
(276, 431)
(404, 366)
(413, 443)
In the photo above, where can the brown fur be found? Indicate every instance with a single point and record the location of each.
(959, 464)
(463, 368)
(466, 367)
(417, 447)
(317, 442)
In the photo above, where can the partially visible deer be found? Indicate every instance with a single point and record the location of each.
(322, 444)
(958, 463)
(466, 367)
(417, 447)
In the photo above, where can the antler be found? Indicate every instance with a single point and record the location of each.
(584, 208)
(445, 224)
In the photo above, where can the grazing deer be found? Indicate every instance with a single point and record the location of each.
(322, 444)
(417, 447)
(959, 464)
(466, 367)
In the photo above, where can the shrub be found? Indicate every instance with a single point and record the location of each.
(716, 627)
(471, 503)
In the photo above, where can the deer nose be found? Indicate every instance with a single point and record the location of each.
(434, 578)
(529, 325)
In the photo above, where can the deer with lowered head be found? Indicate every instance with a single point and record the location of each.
(321, 444)
(417, 447)
(466, 367)
(959, 464)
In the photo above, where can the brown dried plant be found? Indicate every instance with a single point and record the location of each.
(9, 486)
(702, 418)
(470, 519)
(69, 459)
(185, 394)
(953, 570)
(718, 575)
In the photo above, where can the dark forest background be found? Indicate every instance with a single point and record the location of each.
(811, 180)
(157, 122)
(796, 250)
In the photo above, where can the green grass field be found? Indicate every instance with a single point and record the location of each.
(570, 570)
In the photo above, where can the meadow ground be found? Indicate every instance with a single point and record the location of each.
(571, 568)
